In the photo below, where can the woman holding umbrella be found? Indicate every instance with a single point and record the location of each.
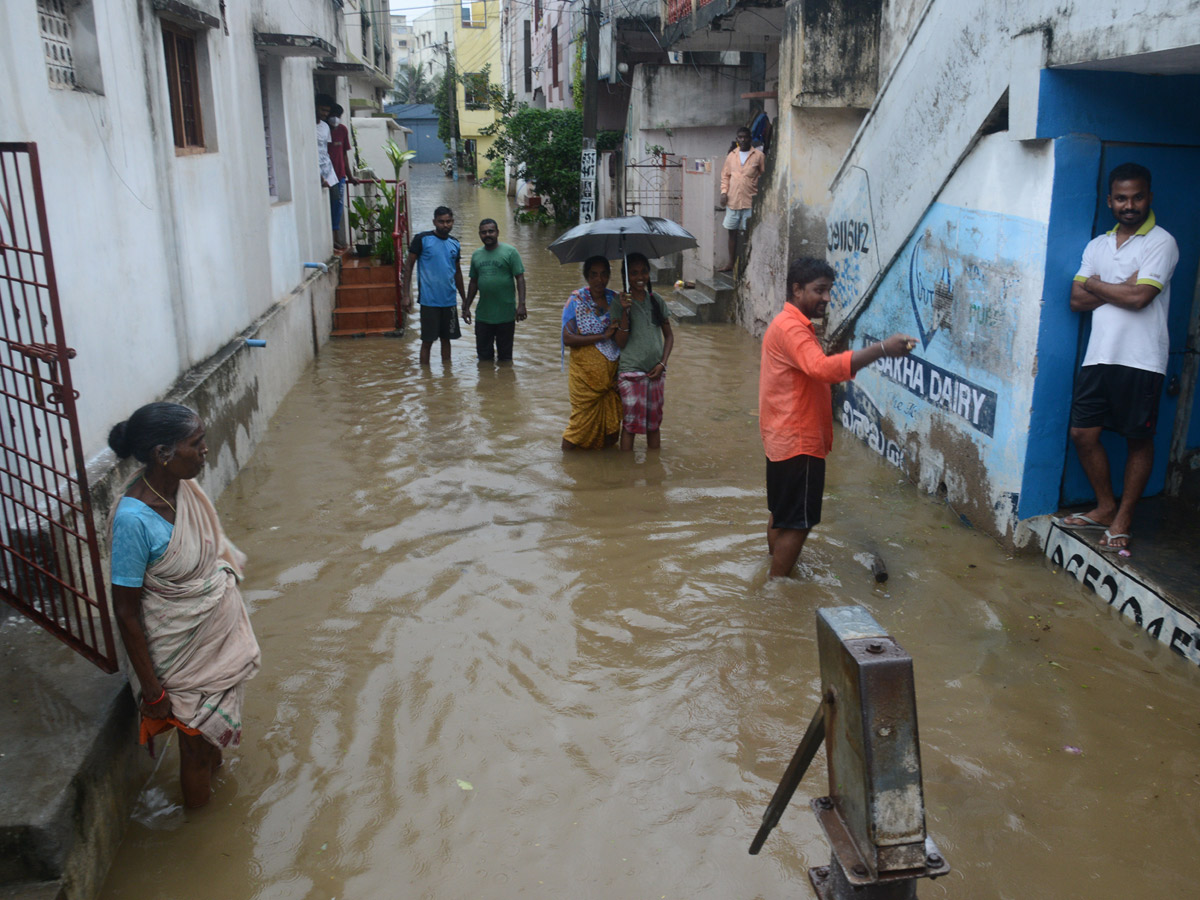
(641, 372)
(591, 319)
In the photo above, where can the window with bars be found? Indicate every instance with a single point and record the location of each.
(54, 22)
(183, 85)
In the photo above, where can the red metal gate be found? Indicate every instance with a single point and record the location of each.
(49, 557)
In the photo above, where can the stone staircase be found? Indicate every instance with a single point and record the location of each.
(366, 300)
(710, 301)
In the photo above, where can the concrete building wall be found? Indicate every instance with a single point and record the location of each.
(164, 259)
(553, 76)
(809, 142)
(433, 35)
(970, 134)
(955, 415)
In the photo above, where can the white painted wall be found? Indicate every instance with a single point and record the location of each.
(953, 63)
(162, 259)
(986, 235)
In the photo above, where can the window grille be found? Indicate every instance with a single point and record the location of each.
(183, 85)
(266, 111)
(55, 25)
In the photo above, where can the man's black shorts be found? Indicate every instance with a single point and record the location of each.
(439, 322)
(1119, 398)
(795, 488)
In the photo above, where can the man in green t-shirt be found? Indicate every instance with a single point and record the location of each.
(495, 268)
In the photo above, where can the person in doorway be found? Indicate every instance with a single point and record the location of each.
(175, 596)
(795, 407)
(439, 279)
(1124, 281)
(739, 183)
(324, 162)
(646, 339)
(496, 269)
(589, 326)
(339, 155)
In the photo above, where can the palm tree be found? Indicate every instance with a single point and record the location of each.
(411, 85)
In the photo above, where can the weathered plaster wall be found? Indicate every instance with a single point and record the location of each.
(789, 213)
(968, 285)
(897, 22)
(678, 97)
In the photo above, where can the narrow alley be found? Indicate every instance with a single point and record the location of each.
(494, 670)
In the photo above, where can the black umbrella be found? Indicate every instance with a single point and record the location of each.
(617, 237)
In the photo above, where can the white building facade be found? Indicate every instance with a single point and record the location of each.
(179, 168)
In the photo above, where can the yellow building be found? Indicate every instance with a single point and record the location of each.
(476, 50)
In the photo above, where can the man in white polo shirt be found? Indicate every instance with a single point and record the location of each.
(1125, 282)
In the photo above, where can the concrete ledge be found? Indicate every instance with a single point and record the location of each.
(1132, 587)
(69, 763)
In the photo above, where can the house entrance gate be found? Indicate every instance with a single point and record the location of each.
(49, 557)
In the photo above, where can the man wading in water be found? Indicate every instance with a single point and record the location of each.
(795, 407)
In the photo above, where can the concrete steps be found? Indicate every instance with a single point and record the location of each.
(665, 271)
(709, 301)
(366, 300)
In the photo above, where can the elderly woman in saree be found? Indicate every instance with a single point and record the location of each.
(591, 319)
(175, 594)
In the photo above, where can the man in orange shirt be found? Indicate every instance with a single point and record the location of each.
(743, 167)
(795, 407)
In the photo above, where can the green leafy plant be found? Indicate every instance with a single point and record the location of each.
(546, 144)
(577, 79)
(397, 157)
(385, 247)
(494, 177)
(364, 219)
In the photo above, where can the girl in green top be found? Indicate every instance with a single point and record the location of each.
(645, 337)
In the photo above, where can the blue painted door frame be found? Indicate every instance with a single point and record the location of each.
(1176, 174)
(1093, 117)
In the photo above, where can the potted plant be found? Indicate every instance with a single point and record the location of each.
(364, 220)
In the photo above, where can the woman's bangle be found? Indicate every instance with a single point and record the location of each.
(156, 702)
(882, 349)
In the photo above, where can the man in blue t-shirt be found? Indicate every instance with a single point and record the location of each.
(438, 254)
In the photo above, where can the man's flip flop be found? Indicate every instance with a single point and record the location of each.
(1109, 537)
(1084, 522)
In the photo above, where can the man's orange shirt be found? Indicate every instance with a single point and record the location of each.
(795, 402)
(739, 181)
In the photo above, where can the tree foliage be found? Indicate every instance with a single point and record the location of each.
(413, 85)
(445, 102)
(546, 145)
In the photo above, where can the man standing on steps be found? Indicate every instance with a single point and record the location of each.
(495, 268)
(1125, 282)
(739, 183)
(440, 277)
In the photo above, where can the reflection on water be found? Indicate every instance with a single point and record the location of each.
(588, 642)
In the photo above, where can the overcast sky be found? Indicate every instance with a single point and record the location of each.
(412, 8)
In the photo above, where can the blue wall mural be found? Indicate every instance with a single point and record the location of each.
(962, 286)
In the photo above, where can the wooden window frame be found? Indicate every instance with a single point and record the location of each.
(183, 88)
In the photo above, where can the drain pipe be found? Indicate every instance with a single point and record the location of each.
(314, 265)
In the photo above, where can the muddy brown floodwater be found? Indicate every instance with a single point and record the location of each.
(491, 670)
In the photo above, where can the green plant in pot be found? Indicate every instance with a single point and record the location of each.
(385, 247)
(364, 220)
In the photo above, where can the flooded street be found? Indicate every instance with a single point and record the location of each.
(493, 670)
